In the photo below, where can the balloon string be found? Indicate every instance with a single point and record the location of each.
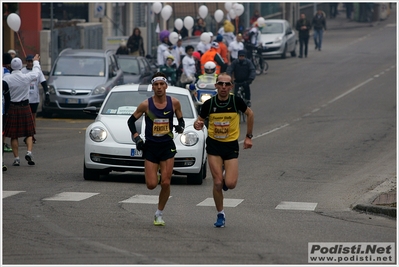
(21, 44)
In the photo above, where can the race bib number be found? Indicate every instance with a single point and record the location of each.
(221, 129)
(160, 127)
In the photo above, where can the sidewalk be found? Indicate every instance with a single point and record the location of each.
(382, 199)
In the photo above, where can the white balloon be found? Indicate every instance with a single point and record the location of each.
(238, 9)
(261, 21)
(188, 22)
(173, 37)
(179, 24)
(157, 7)
(203, 11)
(166, 12)
(205, 37)
(14, 21)
(219, 15)
(228, 6)
(232, 14)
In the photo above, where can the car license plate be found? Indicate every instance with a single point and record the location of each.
(72, 101)
(136, 153)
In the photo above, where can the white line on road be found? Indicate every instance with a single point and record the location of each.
(70, 196)
(11, 193)
(286, 205)
(227, 202)
(142, 199)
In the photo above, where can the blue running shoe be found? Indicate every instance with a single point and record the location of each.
(220, 220)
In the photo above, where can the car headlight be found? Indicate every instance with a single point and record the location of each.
(99, 90)
(278, 40)
(189, 138)
(98, 134)
(205, 97)
(51, 90)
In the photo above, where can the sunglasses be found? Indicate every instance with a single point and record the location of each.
(224, 83)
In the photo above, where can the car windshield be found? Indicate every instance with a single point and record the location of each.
(80, 66)
(273, 27)
(125, 103)
(129, 65)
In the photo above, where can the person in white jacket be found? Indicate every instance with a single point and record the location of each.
(19, 120)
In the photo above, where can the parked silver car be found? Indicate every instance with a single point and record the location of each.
(278, 38)
(80, 78)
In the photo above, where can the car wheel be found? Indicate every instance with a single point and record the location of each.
(283, 55)
(90, 174)
(293, 52)
(196, 178)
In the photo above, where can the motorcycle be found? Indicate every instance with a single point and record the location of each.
(202, 90)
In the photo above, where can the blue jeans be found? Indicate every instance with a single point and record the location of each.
(318, 38)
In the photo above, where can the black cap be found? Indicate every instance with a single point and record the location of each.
(29, 57)
(6, 59)
(242, 53)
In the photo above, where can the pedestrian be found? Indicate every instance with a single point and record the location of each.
(213, 55)
(34, 93)
(303, 27)
(189, 70)
(333, 10)
(254, 39)
(6, 71)
(122, 49)
(223, 51)
(162, 47)
(178, 52)
(19, 122)
(236, 46)
(255, 17)
(135, 43)
(222, 141)
(159, 148)
(199, 27)
(5, 102)
(349, 10)
(318, 24)
(243, 71)
(169, 70)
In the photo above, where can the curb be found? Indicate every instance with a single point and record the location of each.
(364, 203)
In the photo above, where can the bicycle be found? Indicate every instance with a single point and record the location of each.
(260, 64)
(241, 94)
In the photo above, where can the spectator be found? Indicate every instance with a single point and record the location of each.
(213, 55)
(19, 122)
(189, 67)
(223, 51)
(183, 32)
(197, 58)
(303, 27)
(169, 70)
(122, 49)
(6, 71)
(199, 27)
(12, 53)
(349, 10)
(255, 17)
(34, 94)
(318, 24)
(333, 10)
(164, 38)
(135, 43)
(178, 52)
(235, 46)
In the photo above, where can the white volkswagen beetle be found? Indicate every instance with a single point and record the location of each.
(109, 146)
(278, 38)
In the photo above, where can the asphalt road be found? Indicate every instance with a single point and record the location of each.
(325, 134)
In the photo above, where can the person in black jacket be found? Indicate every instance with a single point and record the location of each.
(319, 23)
(244, 73)
(303, 26)
(135, 43)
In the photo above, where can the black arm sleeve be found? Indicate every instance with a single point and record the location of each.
(181, 122)
(131, 123)
(45, 87)
(7, 97)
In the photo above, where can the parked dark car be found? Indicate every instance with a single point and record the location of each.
(80, 78)
(135, 69)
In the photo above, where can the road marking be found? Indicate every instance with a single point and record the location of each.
(70, 196)
(285, 205)
(11, 193)
(227, 202)
(142, 199)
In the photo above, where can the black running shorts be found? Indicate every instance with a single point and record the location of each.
(157, 152)
(226, 150)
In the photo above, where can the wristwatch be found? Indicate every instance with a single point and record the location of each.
(250, 136)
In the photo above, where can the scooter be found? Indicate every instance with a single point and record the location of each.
(202, 90)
